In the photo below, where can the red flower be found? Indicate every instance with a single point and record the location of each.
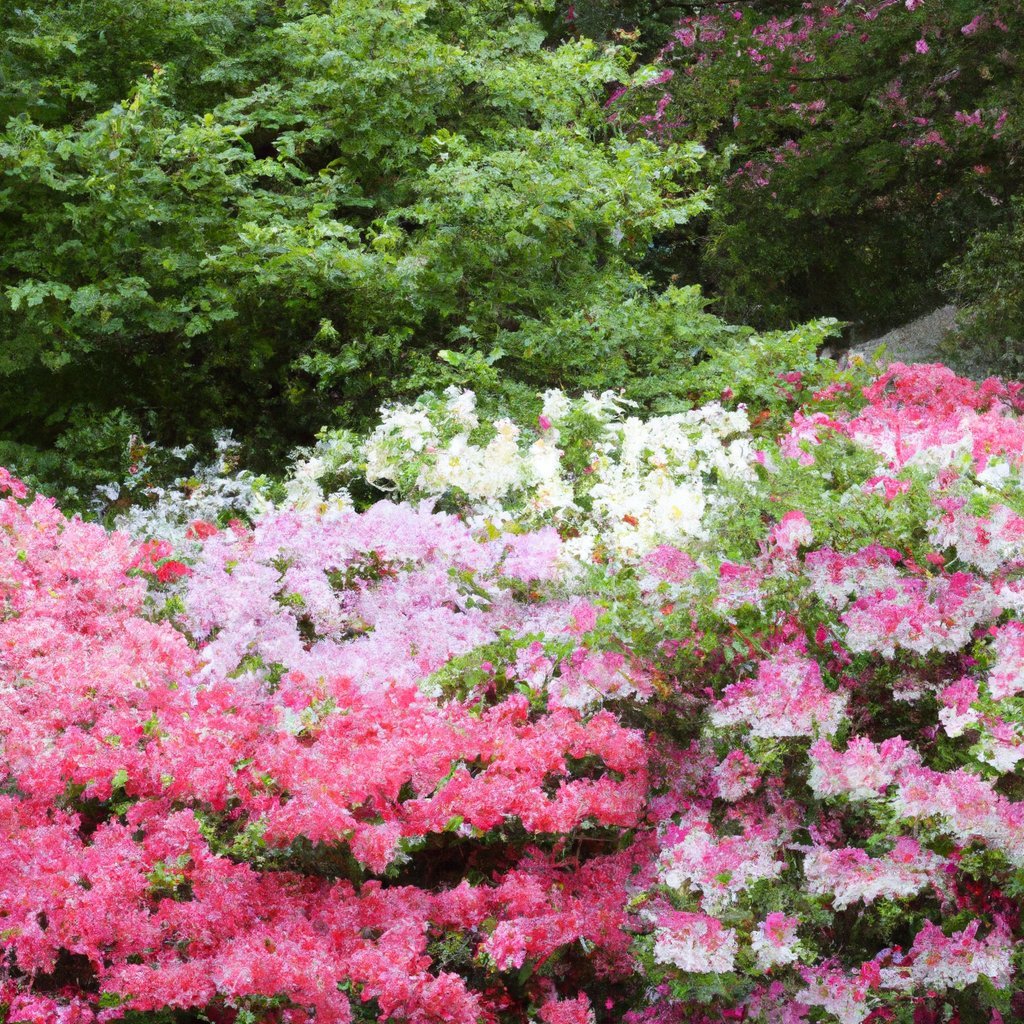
(199, 529)
(172, 570)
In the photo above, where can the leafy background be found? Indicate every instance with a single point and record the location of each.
(271, 216)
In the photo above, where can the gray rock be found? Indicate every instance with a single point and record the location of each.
(914, 342)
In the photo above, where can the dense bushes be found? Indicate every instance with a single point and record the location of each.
(988, 285)
(266, 216)
(715, 717)
(859, 147)
(694, 697)
(248, 215)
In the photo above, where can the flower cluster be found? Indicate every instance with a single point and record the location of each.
(169, 494)
(695, 943)
(608, 480)
(760, 762)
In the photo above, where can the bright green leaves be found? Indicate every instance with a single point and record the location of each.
(417, 176)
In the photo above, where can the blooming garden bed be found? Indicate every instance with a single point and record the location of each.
(715, 716)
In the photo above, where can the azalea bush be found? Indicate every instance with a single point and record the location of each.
(710, 717)
(488, 456)
(858, 147)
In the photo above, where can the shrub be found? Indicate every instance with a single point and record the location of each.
(249, 215)
(988, 286)
(858, 148)
(760, 761)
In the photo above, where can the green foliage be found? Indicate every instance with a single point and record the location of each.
(989, 288)
(858, 147)
(252, 214)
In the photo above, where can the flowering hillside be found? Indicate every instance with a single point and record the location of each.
(717, 716)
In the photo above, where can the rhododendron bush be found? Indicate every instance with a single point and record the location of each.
(858, 147)
(713, 717)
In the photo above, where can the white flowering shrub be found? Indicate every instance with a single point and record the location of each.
(614, 483)
(168, 490)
